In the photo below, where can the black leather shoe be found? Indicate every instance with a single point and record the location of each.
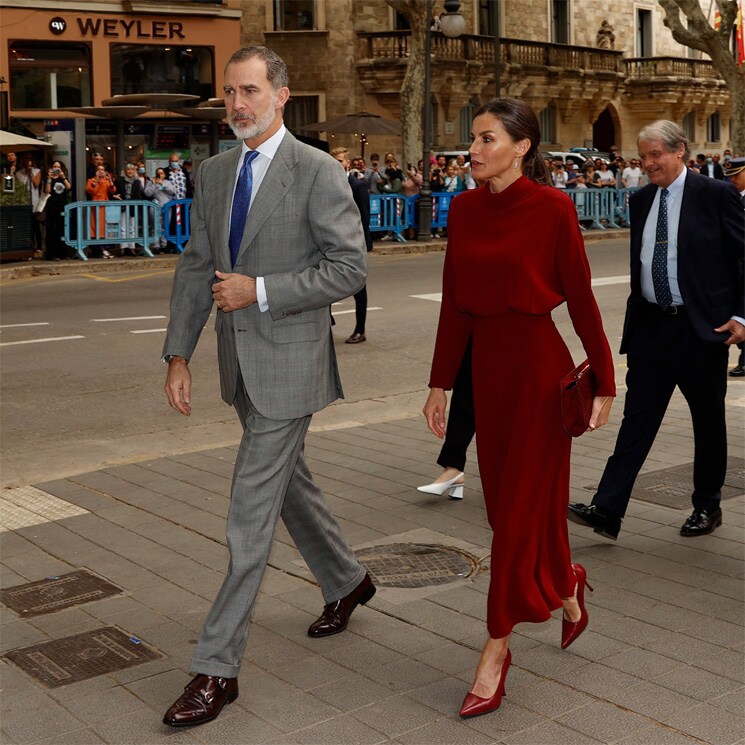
(356, 338)
(335, 616)
(595, 517)
(201, 701)
(702, 522)
(737, 371)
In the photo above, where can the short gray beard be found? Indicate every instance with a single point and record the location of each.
(257, 126)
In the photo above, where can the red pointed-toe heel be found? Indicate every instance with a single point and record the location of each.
(570, 630)
(474, 706)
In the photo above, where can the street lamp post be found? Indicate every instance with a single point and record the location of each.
(452, 24)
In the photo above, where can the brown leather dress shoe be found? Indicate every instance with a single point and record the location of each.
(201, 701)
(356, 338)
(335, 616)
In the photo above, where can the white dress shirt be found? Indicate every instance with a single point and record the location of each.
(267, 150)
(674, 200)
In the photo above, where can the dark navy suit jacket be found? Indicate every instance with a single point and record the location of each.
(711, 243)
(362, 200)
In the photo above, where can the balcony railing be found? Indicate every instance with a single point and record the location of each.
(669, 67)
(395, 45)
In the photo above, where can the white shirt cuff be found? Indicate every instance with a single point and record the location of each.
(739, 320)
(261, 295)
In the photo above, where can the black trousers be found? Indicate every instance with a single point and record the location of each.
(360, 310)
(461, 418)
(664, 351)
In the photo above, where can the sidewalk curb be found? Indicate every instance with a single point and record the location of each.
(40, 268)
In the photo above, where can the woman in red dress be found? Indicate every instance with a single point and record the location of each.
(515, 252)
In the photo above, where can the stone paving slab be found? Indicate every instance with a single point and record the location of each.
(662, 660)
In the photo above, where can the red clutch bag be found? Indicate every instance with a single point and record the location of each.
(578, 389)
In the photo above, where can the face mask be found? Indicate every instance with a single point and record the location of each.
(176, 165)
(141, 171)
(709, 160)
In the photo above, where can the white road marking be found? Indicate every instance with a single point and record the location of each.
(343, 312)
(19, 325)
(623, 279)
(130, 318)
(436, 296)
(26, 505)
(148, 331)
(39, 341)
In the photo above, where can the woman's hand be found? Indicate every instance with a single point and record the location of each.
(601, 406)
(434, 411)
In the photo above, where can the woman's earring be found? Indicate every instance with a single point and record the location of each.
(516, 164)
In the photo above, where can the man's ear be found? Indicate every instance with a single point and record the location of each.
(283, 96)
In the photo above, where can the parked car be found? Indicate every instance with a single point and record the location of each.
(572, 157)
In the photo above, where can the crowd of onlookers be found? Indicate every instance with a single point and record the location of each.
(48, 189)
(618, 172)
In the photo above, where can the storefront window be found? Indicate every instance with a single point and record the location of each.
(139, 68)
(49, 76)
(294, 15)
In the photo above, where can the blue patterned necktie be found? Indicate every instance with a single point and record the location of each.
(660, 281)
(241, 203)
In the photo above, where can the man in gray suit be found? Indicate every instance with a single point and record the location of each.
(275, 239)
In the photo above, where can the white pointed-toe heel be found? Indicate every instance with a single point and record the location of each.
(453, 489)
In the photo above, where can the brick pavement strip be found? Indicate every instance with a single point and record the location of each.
(662, 660)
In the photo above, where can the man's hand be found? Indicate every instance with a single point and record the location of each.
(434, 411)
(178, 385)
(234, 291)
(735, 329)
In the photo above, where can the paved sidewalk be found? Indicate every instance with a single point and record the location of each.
(661, 662)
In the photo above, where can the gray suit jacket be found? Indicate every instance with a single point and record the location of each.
(304, 236)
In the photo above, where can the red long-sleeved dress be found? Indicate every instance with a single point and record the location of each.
(512, 258)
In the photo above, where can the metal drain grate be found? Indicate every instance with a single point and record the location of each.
(75, 658)
(673, 487)
(55, 593)
(416, 564)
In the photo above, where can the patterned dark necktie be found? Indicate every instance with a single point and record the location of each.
(241, 203)
(660, 281)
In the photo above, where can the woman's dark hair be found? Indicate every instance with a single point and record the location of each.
(520, 123)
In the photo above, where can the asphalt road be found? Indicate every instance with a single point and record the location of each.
(82, 378)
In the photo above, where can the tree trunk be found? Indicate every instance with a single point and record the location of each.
(699, 34)
(412, 88)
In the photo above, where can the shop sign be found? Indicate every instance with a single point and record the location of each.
(131, 29)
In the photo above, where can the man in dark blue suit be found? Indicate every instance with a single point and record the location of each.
(686, 307)
(361, 197)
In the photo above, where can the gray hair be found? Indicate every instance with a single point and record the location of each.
(276, 69)
(669, 133)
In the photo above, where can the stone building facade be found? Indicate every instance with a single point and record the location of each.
(589, 88)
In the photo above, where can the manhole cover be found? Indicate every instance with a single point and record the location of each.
(55, 593)
(75, 658)
(416, 564)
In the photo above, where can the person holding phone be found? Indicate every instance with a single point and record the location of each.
(58, 187)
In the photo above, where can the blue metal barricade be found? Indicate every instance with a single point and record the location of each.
(104, 223)
(177, 222)
(601, 208)
(389, 214)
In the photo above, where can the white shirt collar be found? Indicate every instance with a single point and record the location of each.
(676, 188)
(268, 147)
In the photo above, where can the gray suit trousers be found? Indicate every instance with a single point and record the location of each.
(270, 479)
